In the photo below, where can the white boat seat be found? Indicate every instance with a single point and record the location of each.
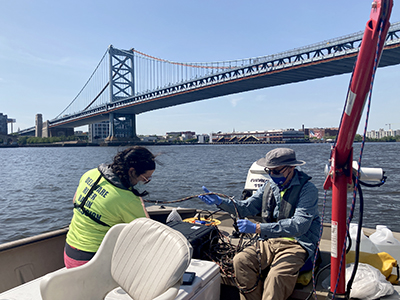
(145, 257)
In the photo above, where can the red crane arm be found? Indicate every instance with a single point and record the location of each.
(342, 153)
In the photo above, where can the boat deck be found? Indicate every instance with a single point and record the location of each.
(24, 262)
(301, 292)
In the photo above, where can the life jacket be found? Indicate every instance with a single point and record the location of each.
(287, 203)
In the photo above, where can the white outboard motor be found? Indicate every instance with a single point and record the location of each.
(256, 177)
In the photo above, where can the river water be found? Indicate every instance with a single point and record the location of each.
(37, 184)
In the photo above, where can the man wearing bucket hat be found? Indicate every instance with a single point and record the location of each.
(289, 232)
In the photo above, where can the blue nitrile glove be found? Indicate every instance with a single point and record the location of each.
(246, 226)
(210, 199)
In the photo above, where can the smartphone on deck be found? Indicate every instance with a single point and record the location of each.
(188, 278)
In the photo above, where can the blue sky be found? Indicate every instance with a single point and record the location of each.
(48, 50)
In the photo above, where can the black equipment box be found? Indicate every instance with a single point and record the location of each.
(201, 237)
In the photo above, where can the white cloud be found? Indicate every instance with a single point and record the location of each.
(234, 101)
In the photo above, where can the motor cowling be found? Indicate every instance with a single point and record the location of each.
(256, 177)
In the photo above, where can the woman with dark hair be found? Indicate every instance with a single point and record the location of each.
(107, 195)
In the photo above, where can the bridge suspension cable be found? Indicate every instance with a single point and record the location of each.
(148, 74)
(99, 71)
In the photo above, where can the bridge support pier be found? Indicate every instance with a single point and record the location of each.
(39, 126)
(54, 132)
(122, 128)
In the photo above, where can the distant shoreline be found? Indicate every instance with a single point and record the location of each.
(132, 144)
(124, 143)
(114, 144)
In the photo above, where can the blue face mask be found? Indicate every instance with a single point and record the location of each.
(278, 179)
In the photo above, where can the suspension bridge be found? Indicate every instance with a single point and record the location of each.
(126, 83)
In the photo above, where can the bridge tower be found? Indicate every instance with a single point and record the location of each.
(39, 126)
(122, 126)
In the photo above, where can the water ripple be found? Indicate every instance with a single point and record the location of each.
(39, 183)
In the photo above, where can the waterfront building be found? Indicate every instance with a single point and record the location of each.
(180, 135)
(202, 138)
(149, 138)
(98, 131)
(81, 135)
(292, 135)
(3, 124)
(381, 133)
(273, 136)
(268, 136)
(321, 133)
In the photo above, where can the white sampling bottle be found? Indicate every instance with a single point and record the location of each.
(366, 245)
(385, 241)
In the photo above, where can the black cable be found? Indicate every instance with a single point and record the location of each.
(316, 279)
(349, 243)
(205, 217)
(357, 248)
(356, 260)
(212, 213)
(383, 180)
